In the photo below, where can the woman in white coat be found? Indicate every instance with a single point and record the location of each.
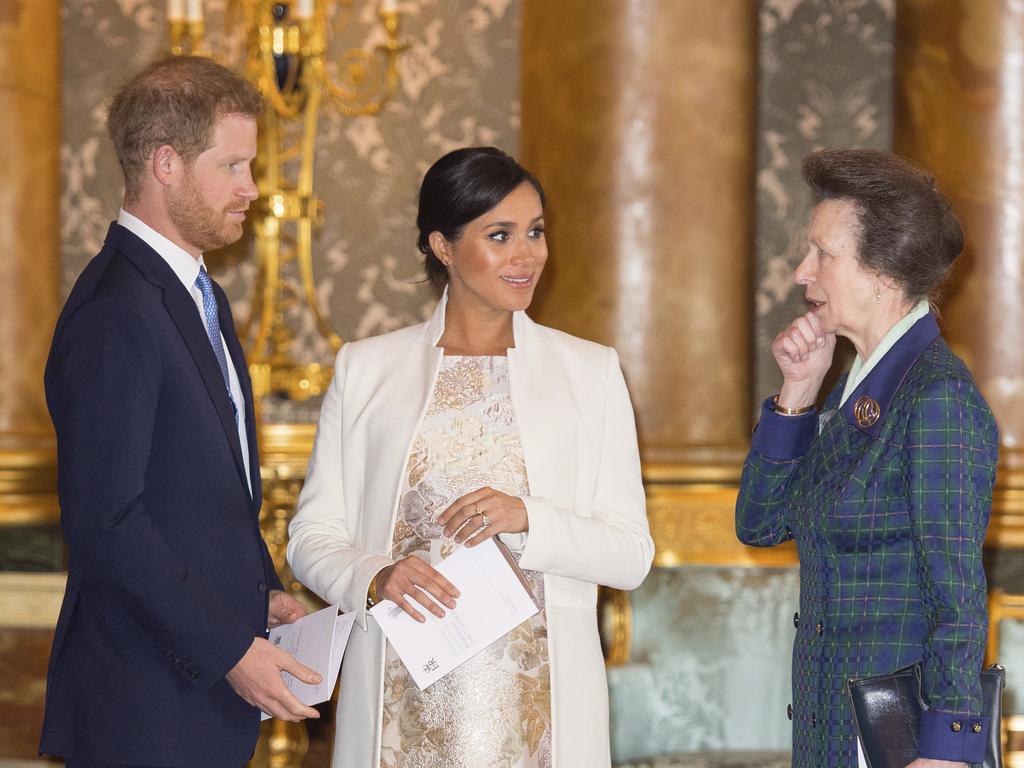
(476, 423)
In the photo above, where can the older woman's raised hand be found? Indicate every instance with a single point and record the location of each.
(413, 578)
(804, 354)
(477, 516)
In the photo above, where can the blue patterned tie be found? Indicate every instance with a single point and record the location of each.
(205, 285)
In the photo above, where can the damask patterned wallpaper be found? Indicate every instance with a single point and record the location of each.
(826, 80)
(459, 86)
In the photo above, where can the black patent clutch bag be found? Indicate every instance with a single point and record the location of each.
(887, 712)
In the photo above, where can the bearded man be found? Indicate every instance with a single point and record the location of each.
(160, 656)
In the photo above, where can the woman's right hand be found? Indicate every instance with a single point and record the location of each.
(803, 352)
(412, 577)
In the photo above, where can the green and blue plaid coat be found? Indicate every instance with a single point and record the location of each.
(889, 520)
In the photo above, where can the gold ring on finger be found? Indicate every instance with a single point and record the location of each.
(484, 522)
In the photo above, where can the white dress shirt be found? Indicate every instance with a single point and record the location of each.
(186, 267)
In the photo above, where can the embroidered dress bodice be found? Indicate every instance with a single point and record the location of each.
(495, 710)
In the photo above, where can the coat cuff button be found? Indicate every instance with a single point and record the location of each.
(956, 726)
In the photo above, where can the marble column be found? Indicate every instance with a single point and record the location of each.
(960, 114)
(639, 119)
(30, 77)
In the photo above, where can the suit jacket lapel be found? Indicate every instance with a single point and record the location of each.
(182, 310)
(237, 357)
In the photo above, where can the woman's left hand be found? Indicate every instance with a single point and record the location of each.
(481, 514)
(924, 762)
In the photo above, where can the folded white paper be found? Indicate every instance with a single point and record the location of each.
(494, 599)
(317, 640)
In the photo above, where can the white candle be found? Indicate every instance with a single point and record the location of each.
(195, 10)
(303, 10)
(175, 10)
(389, 6)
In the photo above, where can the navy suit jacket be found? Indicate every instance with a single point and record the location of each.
(168, 576)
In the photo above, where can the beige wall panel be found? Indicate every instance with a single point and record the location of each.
(29, 156)
(640, 124)
(959, 111)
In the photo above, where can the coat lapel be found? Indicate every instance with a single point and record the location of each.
(408, 394)
(237, 357)
(182, 310)
(394, 411)
(880, 385)
(545, 423)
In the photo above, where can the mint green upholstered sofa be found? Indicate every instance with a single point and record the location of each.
(707, 683)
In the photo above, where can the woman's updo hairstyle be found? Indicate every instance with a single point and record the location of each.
(461, 186)
(908, 231)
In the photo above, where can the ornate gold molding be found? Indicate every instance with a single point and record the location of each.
(691, 510)
(31, 600)
(615, 612)
(280, 745)
(284, 455)
(28, 482)
(1006, 528)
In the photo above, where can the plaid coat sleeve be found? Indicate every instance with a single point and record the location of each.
(949, 458)
(776, 449)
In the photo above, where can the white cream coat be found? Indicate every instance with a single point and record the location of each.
(586, 510)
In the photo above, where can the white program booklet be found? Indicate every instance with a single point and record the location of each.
(317, 640)
(494, 599)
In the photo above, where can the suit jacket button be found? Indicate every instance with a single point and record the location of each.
(193, 674)
(796, 619)
(976, 727)
(956, 726)
(789, 711)
(262, 587)
(819, 628)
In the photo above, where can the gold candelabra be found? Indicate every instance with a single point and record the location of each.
(287, 59)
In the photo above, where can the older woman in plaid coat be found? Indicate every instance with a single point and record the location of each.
(887, 490)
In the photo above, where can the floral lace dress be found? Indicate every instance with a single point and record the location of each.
(495, 710)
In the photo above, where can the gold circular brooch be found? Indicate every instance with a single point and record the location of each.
(866, 411)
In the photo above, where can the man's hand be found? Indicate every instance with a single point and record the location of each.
(257, 679)
(284, 609)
